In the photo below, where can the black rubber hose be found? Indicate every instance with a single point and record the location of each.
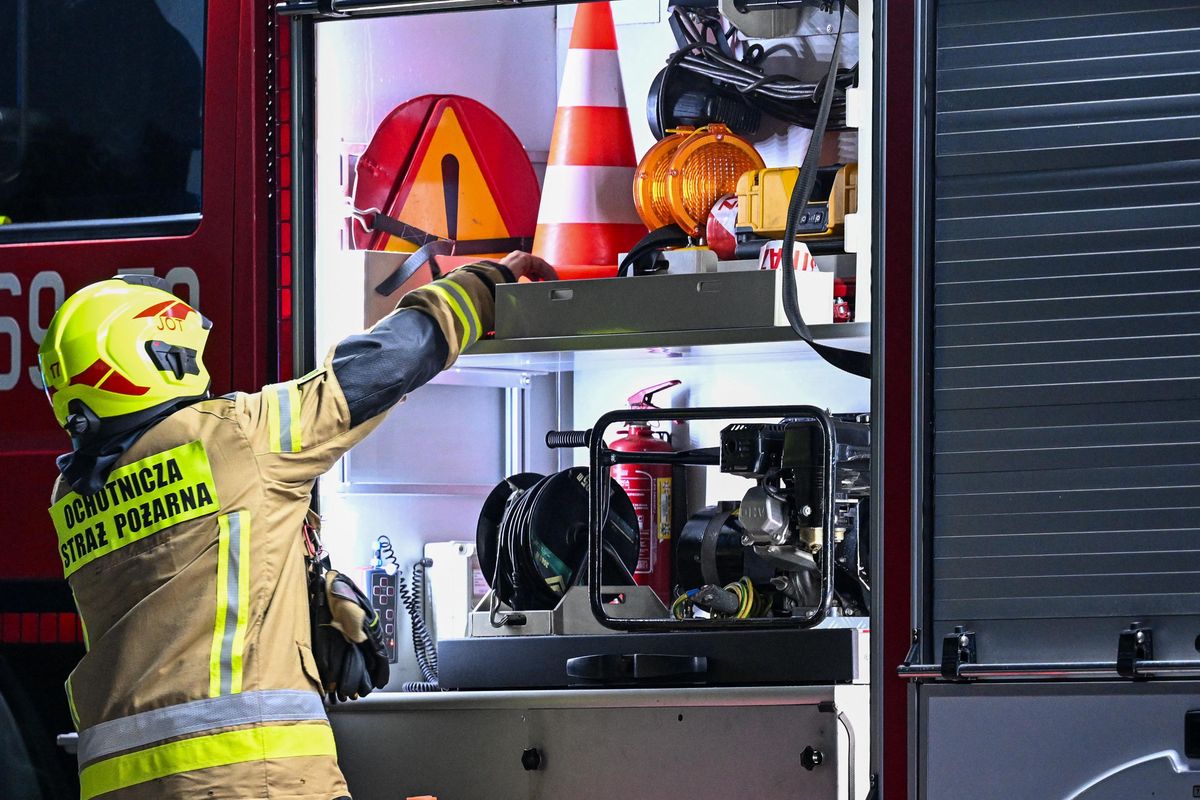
(851, 361)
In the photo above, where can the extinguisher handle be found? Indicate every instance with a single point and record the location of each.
(644, 399)
(560, 439)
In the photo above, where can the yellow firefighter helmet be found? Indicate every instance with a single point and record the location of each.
(122, 349)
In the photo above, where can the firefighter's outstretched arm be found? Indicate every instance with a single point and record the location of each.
(301, 427)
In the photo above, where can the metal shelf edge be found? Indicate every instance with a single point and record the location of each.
(557, 353)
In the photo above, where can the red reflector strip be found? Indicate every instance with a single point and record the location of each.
(44, 627)
(155, 309)
(178, 311)
(93, 374)
(119, 384)
(171, 309)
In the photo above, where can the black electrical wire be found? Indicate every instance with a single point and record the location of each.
(515, 577)
(424, 646)
(757, 54)
(851, 361)
(782, 96)
(423, 642)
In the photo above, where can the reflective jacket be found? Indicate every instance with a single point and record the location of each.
(188, 569)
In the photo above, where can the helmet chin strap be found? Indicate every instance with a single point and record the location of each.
(95, 451)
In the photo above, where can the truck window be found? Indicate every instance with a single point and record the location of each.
(100, 117)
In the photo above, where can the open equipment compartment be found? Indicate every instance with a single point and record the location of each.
(422, 478)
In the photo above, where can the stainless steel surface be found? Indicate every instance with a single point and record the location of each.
(516, 431)
(389, 702)
(1055, 671)
(697, 743)
(501, 379)
(572, 615)
(851, 749)
(728, 345)
(696, 752)
(1059, 742)
(699, 301)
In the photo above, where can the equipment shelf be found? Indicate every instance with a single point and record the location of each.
(566, 353)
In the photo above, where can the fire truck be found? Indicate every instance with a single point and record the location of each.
(136, 139)
(1031, 622)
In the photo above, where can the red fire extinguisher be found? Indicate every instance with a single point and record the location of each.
(650, 488)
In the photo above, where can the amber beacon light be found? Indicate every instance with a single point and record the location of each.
(682, 176)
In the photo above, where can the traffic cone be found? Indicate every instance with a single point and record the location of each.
(587, 215)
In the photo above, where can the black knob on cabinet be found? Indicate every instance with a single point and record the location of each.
(811, 758)
(531, 759)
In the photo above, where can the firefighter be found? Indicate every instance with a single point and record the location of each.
(178, 519)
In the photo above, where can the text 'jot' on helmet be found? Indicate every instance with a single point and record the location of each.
(122, 348)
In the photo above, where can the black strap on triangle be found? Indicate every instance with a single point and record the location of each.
(430, 246)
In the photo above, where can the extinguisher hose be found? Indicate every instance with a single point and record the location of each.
(851, 361)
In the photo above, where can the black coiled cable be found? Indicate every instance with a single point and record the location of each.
(517, 582)
(424, 646)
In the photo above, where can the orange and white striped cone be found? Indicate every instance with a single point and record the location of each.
(587, 215)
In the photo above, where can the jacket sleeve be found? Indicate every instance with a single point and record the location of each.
(300, 428)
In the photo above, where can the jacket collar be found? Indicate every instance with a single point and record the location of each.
(92, 458)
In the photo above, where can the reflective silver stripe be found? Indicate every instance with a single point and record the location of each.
(147, 728)
(285, 418)
(232, 597)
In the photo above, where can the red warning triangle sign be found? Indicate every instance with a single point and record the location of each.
(458, 173)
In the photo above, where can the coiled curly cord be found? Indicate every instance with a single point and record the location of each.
(424, 646)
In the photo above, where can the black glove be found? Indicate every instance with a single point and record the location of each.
(347, 638)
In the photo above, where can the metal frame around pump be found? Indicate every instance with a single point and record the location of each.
(602, 459)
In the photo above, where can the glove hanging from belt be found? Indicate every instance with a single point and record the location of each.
(347, 637)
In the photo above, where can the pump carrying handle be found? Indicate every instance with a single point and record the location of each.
(568, 439)
(641, 400)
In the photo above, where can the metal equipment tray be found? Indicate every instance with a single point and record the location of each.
(652, 303)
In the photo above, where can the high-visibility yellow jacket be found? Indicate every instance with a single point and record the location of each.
(188, 569)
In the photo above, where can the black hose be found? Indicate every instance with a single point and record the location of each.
(851, 361)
